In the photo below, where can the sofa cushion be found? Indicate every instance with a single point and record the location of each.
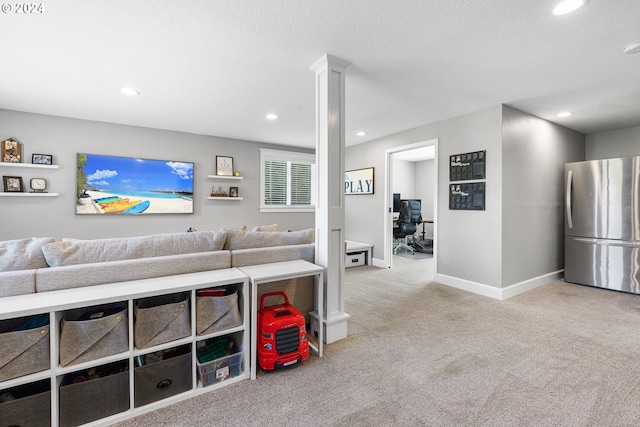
(264, 239)
(18, 282)
(78, 276)
(23, 254)
(74, 252)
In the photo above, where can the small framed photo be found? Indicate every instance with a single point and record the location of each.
(13, 184)
(42, 159)
(233, 191)
(11, 151)
(224, 166)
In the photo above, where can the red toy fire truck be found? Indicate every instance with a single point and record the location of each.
(282, 335)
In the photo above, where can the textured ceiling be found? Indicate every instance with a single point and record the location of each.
(217, 67)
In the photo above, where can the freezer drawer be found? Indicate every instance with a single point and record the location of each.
(603, 263)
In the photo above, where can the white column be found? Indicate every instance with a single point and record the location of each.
(330, 238)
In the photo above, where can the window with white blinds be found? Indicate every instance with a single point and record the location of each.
(287, 181)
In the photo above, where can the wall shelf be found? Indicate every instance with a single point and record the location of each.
(224, 198)
(18, 194)
(233, 178)
(28, 165)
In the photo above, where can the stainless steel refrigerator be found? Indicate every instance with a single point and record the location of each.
(602, 223)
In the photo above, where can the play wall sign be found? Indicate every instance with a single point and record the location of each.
(359, 181)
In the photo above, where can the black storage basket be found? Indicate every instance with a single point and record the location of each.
(93, 399)
(28, 405)
(162, 379)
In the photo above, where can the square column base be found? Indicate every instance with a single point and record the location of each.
(335, 328)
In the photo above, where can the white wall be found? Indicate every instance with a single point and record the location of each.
(425, 191)
(533, 157)
(63, 138)
(613, 144)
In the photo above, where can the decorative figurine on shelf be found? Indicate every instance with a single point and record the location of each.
(219, 193)
(11, 151)
(237, 173)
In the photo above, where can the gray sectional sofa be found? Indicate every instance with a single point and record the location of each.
(45, 264)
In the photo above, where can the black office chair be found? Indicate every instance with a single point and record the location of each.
(408, 220)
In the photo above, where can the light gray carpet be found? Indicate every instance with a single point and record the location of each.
(423, 354)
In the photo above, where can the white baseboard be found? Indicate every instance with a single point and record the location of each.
(377, 262)
(499, 293)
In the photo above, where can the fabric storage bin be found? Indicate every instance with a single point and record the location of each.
(164, 378)
(28, 405)
(216, 313)
(161, 319)
(92, 399)
(25, 346)
(93, 332)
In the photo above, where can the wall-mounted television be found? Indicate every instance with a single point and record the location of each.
(129, 186)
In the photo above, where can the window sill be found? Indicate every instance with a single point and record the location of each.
(291, 209)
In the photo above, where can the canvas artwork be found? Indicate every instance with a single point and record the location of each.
(126, 186)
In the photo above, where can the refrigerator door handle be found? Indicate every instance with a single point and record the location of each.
(608, 242)
(568, 199)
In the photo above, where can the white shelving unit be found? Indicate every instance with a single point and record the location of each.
(27, 166)
(56, 303)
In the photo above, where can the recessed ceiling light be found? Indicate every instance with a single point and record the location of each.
(633, 47)
(361, 133)
(568, 6)
(129, 91)
(565, 114)
(272, 116)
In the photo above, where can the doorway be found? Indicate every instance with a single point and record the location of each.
(418, 152)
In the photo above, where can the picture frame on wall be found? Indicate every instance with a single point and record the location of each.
(359, 181)
(11, 151)
(13, 184)
(224, 166)
(42, 159)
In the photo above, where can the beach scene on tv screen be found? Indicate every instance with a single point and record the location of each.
(130, 186)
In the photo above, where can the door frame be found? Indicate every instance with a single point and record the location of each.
(388, 201)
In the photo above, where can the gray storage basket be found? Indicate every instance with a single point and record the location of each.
(30, 407)
(91, 400)
(23, 351)
(93, 332)
(161, 319)
(163, 379)
(217, 313)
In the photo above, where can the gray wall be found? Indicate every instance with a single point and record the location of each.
(488, 248)
(534, 152)
(613, 144)
(467, 244)
(64, 137)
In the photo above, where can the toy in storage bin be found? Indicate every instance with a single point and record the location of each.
(219, 359)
